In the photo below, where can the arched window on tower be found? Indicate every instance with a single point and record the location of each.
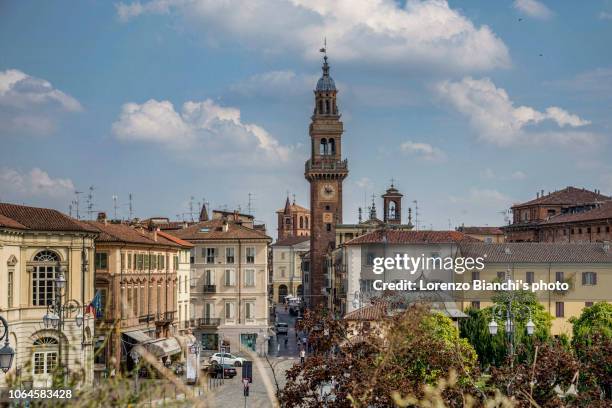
(391, 212)
(327, 108)
(323, 147)
(332, 146)
(320, 106)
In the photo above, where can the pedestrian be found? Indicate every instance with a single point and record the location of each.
(286, 342)
(302, 356)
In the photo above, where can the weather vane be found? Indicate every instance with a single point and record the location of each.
(324, 49)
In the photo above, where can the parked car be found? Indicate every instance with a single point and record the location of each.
(282, 328)
(217, 370)
(227, 358)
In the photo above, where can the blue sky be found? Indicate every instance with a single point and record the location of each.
(469, 106)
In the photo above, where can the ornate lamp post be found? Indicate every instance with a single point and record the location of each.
(57, 311)
(510, 322)
(6, 353)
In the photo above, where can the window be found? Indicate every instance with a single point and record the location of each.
(101, 260)
(135, 302)
(9, 286)
(306, 222)
(122, 261)
(176, 262)
(162, 262)
(558, 276)
(560, 309)
(476, 304)
(180, 285)
(129, 298)
(370, 258)
(327, 227)
(229, 277)
(138, 261)
(229, 310)
(209, 310)
(143, 309)
(43, 278)
(282, 272)
(249, 277)
(129, 261)
(501, 275)
(153, 261)
(147, 259)
(229, 255)
(209, 277)
(598, 230)
(589, 278)
(250, 255)
(159, 298)
(249, 309)
(529, 277)
(210, 255)
(44, 357)
(185, 285)
(475, 275)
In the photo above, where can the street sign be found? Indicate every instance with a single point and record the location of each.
(247, 371)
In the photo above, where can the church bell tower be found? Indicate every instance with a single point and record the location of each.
(325, 171)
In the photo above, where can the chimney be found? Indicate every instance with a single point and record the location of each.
(102, 217)
(225, 225)
(155, 233)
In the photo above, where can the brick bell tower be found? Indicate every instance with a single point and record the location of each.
(325, 171)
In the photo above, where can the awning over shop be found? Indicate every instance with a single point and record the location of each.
(164, 347)
(138, 335)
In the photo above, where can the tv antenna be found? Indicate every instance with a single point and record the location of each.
(416, 214)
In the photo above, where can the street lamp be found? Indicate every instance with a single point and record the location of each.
(6, 353)
(493, 327)
(509, 324)
(60, 282)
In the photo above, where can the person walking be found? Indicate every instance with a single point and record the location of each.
(302, 356)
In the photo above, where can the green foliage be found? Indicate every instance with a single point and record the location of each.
(596, 319)
(492, 350)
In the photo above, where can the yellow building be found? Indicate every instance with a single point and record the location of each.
(287, 266)
(37, 246)
(586, 267)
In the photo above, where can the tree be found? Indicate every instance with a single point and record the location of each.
(596, 319)
(355, 366)
(493, 350)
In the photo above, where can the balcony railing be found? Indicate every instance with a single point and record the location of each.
(165, 317)
(209, 289)
(340, 165)
(205, 322)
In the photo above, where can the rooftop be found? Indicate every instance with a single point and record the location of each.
(39, 219)
(567, 196)
(603, 211)
(213, 230)
(481, 230)
(290, 241)
(123, 233)
(411, 237)
(538, 252)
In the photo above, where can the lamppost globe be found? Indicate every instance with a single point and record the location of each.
(493, 327)
(60, 281)
(50, 320)
(79, 319)
(530, 327)
(6, 357)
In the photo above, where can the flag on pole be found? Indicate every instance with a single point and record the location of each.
(95, 306)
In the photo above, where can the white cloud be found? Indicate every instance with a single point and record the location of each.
(533, 8)
(278, 84)
(365, 183)
(496, 120)
(31, 105)
(423, 151)
(482, 197)
(35, 183)
(421, 33)
(604, 15)
(518, 175)
(210, 132)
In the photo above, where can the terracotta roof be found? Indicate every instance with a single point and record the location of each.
(567, 196)
(538, 252)
(111, 232)
(481, 230)
(289, 241)
(175, 239)
(372, 312)
(602, 212)
(411, 237)
(213, 230)
(39, 219)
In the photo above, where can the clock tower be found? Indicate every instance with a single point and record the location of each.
(325, 171)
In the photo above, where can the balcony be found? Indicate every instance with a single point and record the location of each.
(165, 317)
(340, 165)
(209, 289)
(205, 322)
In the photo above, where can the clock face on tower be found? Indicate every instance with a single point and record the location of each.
(328, 192)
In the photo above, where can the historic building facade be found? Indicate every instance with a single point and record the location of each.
(37, 246)
(229, 281)
(136, 281)
(325, 171)
(586, 267)
(287, 266)
(568, 215)
(293, 221)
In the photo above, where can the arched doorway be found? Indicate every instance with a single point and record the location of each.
(282, 293)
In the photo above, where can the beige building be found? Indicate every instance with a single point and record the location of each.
(587, 267)
(137, 283)
(287, 266)
(37, 245)
(229, 281)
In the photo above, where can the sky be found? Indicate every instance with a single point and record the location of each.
(468, 106)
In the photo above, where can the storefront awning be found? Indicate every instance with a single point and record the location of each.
(164, 347)
(138, 335)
